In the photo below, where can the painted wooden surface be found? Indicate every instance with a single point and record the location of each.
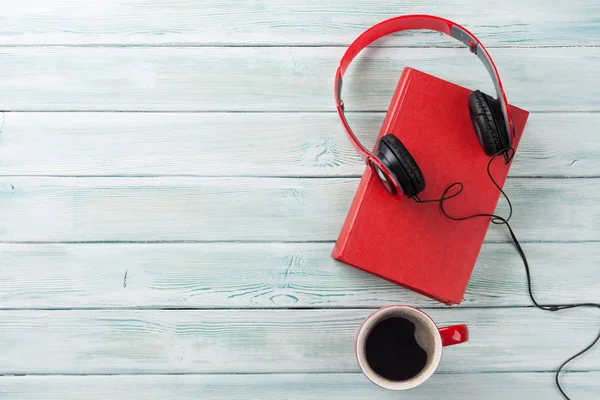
(283, 144)
(43, 209)
(298, 386)
(247, 22)
(266, 275)
(276, 79)
(275, 341)
(173, 176)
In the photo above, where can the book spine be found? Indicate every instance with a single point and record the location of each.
(345, 233)
(395, 104)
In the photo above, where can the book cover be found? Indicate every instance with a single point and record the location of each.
(413, 244)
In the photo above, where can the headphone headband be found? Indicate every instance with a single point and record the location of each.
(418, 22)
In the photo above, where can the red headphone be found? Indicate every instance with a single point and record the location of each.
(392, 162)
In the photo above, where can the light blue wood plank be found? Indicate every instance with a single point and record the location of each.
(276, 341)
(41, 209)
(278, 79)
(516, 386)
(531, 22)
(270, 275)
(250, 144)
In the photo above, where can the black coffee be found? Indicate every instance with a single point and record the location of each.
(392, 350)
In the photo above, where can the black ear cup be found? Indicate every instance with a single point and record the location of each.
(488, 122)
(398, 160)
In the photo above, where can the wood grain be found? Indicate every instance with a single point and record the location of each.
(517, 386)
(271, 275)
(282, 341)
(250, 144)
(277, 79)
(41, 209)
(299, 22)
(210, 122)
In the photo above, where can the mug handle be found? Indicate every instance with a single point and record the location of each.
(454, 334)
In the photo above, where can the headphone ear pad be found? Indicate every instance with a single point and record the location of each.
(482, 111)
(399, 161)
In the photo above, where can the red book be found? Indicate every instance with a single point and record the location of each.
(413, 244)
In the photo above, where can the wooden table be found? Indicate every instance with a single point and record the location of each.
(174, 176)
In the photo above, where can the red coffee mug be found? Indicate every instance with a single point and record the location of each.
(427, 334)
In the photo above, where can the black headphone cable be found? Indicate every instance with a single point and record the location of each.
(498, 220)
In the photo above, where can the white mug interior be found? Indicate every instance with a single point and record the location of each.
(427, 336)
